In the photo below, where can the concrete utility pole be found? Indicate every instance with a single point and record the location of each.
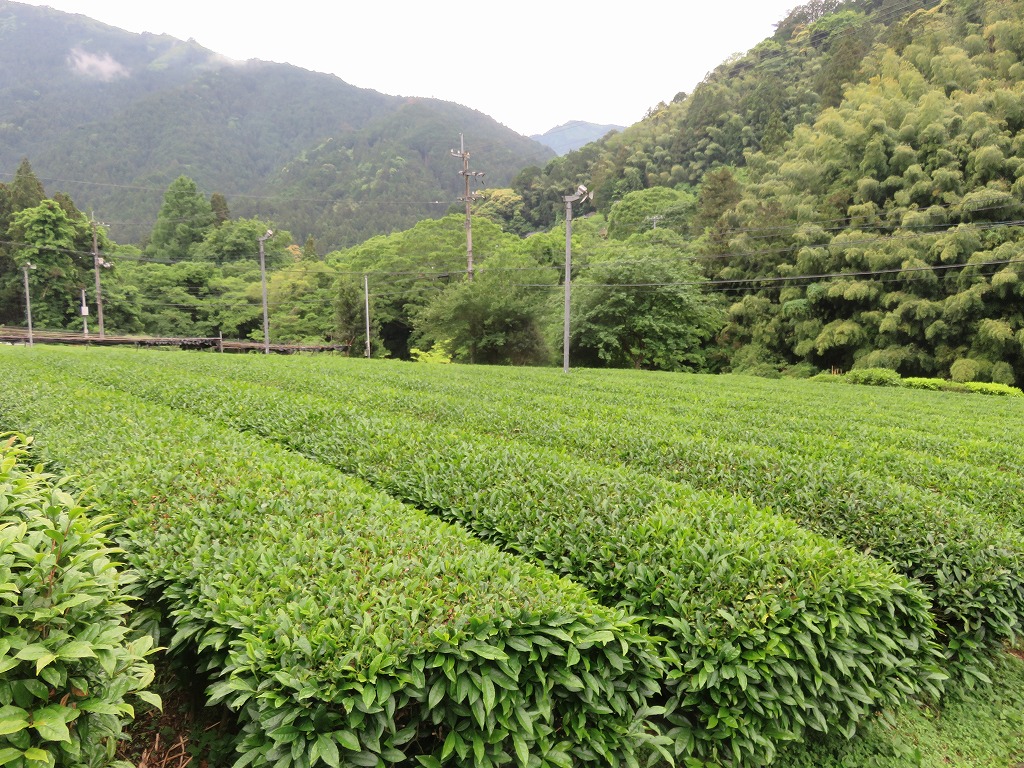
(263, 280)
(366, 297)
(28, 299)
(581, 192)
(97, 262)
(468, 199)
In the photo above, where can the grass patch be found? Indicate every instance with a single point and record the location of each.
(981, 727)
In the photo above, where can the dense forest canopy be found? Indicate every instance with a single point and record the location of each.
(848, 194)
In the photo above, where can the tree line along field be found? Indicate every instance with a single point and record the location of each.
(379, 562)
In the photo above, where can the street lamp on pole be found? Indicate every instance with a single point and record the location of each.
(263, 279)
(28, 299)
(581, 193)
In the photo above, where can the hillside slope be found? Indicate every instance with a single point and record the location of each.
(113, 117)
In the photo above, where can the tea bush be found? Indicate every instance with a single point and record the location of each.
(344, 628)
(770, 630)
(69, 664)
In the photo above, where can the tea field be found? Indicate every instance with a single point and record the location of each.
(379, 562)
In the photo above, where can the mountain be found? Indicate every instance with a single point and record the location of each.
(113, 117)
(573, 135)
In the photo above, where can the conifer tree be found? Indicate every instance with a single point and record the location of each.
(184, 219)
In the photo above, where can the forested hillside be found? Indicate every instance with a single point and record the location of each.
(851, 187)
(114, 117)
(846, 195)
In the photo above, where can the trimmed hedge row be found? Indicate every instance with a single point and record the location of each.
(770, 630)
(344, 627)
(68, 660)
(886, 377)
(951, 450)
(971, 564)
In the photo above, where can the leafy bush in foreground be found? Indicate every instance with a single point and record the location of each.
(345, 628)
(67, 659)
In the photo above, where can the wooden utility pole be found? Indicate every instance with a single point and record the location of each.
(468, 199)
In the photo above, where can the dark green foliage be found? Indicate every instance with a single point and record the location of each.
(350, 314)
(493, 318)
(344, 628)
(219, 206)
(67, 658)
(47, 238)
(25, 190)
(742, 596)
(719, 192)
(904, 191)
(642, 309)
(876, 377)
(184, 220)
(650, 209)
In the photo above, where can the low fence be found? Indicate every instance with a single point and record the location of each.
(15, 335)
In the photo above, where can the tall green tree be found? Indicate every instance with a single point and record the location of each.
(26, 189)
(718, 193)
(350, 317)
(642, 308)
(649, 209)
(219, 206)
(301, 299)
(238, 241)
(184, 219)
(309, 252)
(46, 237)
(497, 318)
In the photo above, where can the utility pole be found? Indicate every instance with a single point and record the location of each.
(263, 280)
(97, 262)
(85, 314)
(366, 297)
(28, 299)
(468, 199)
(581, 192)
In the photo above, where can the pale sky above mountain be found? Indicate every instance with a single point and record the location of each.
(532, 64)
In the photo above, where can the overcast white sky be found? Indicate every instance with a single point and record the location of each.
(531, 64)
